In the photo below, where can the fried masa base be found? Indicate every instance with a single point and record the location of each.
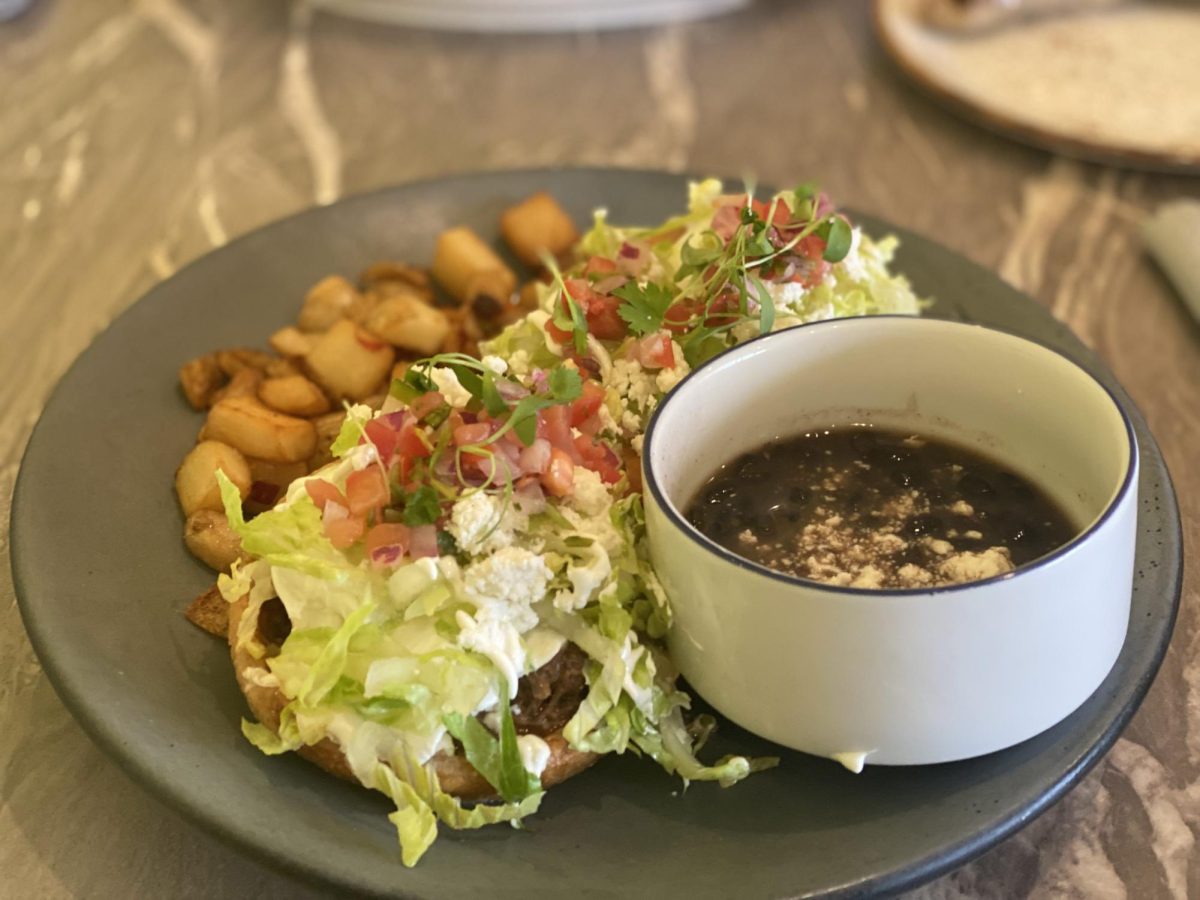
(455, 775)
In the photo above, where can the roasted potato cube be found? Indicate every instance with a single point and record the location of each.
(327, 301)
(200, 378)
(349, 362)
(460, 257)
(537, 225)
(276, 473)
(244, 423)
(294, 395)
(409, 323)
(243, 384)
(196, 478)
(281, 368)
(394, 277)
(291, 341)
(210, 539)
(234, 361)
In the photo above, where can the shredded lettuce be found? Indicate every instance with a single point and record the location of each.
(290, 535)
(351, 431)
(498, 760)
(421, 803)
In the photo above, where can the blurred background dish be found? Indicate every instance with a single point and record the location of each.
(1111, 81)
(528, 15)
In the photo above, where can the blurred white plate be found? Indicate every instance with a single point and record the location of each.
(1118, 84)
(528, 15)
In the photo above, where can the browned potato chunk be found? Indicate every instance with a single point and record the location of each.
(244, 384)
(246, 424)
(280, 368)
(196, 478)
(537, 225)
(200, 378)
(210, 539)
(460, 257)
(234, 361)
(409, 323)
(291, 341)
(394, 277)
(294, 395)
(327, 301)
(276, 473)
(349, 362)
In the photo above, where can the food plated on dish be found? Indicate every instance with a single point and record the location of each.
(139, 678)
(458, 605)
(908, 638)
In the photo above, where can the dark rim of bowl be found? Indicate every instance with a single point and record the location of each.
(706, 543)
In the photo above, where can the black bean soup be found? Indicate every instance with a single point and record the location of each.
(874, 508)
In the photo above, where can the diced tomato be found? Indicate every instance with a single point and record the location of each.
(811, 247)
(654, 351)
(409, 444)
(600, 458)
(387, 542)
(367, 489)
(383, 437)
(678, 315)
(427, 403)
(559, 477)
(723, 310)
(590, 399)
(556, 428)
(603, 320)
(560, 336)
(343, 532)
(323, 492)
(763, 208)
(599, 264)
(471, 434)
(811, 274)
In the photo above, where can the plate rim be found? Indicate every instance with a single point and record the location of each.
(919, 871)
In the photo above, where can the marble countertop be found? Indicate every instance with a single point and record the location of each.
(136, 136)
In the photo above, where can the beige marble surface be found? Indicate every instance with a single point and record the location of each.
(136, 136)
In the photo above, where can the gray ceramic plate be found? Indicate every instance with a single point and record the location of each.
(102, 578)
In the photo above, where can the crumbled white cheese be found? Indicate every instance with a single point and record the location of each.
(495, 364)
(450, 387)
(484, 523)
(505, 584)
(535, 753)
(666, 379)
(588, 494)
(637, 393)
(853, 266)
(496, 639)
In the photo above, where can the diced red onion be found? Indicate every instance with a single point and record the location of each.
(609, 284)
(395, 420)
(535, 457)
(387, 555)
(510, 391)
(541, 381)
(423, 541)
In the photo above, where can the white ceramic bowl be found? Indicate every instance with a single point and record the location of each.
(898, 676)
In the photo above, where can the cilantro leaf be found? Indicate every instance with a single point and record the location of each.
(421, 507)
(565, 384)
(644, 307)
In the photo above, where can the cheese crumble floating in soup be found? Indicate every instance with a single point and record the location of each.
(870, 508)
